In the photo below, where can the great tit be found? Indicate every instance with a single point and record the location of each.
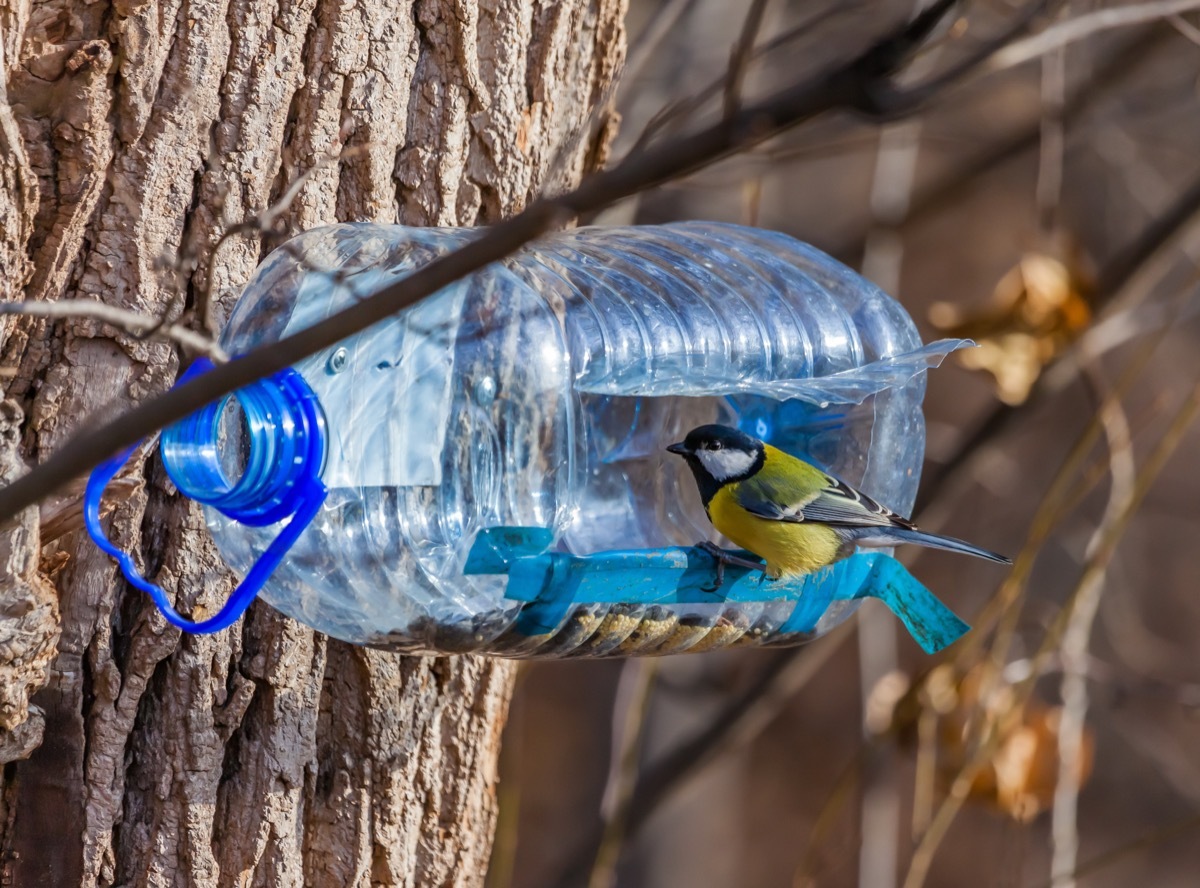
(791, 514)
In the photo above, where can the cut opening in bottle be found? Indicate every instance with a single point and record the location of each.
(233, 440)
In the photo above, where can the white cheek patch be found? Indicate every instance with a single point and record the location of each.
(725, 464)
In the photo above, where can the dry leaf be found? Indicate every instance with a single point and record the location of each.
(1021, 775)
(1025, 767)
(1037, 309)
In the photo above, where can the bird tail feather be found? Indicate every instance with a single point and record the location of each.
(890, 536)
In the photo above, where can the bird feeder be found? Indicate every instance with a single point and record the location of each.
(485, 471)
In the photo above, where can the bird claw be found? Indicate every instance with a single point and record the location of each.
(722, 558)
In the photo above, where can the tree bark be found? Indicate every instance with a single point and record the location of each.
(132, 134)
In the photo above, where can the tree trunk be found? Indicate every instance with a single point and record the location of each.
(132, 134)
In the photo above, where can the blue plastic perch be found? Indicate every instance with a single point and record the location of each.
(553, 582)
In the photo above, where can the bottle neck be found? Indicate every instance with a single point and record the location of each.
(250, 454)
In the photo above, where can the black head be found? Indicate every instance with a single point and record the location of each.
(719, 455)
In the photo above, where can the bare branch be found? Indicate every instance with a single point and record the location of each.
(1184, 27)
(1141, 843)
(885, 104)
(1124, 61)
(740, 721)
(65, 514)
(1053, 140)
(263, 224)
(863, 84)
(742, 53)
(1003, 608)
(676, 111)
(1097, 563)
(664, 18)
(1076, 639)
(632, 704)
(878, 651)
(132, 322)
(1083, 26)
(1113, 277)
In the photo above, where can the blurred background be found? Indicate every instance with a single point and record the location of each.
(1048, 207)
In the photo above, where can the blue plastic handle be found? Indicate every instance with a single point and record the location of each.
(294, 489)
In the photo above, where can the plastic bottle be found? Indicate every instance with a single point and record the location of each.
(540, 393)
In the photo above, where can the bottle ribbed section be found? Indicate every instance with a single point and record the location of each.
(541, 391)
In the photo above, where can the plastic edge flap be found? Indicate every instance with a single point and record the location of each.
(852, 386)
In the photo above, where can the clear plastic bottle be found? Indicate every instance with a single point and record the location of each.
(540, 392)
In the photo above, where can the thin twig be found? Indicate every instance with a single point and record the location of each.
(838, 797)
(633, 700)
(878, 651)
(735, 725)
(1097, 563)
(664, 19)
(863, 84)
(1091, 477)
(263, 224)
(131, 322)
(961, 71)
(1084, 26)
(676, 112)
(1184, 27)
(743, 51)
(925, 772)
(1059, 497)
(1074, 653)
(739, 722)
(1116, 330)
(64, 515)
(1124, 61)
(1159, 234)
(1141, 843)
(1144, 180)
(1053, 138)
(1062, 495)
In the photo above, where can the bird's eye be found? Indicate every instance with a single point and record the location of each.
(716, 445)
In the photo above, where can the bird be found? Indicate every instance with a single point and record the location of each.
(794, 516)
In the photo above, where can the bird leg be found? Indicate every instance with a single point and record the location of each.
(722, 558)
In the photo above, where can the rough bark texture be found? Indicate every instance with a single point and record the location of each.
(132, 133)
(28, 612)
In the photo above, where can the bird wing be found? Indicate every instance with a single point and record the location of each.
(839, 503)
(800, 496)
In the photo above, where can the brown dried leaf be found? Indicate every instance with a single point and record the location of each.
(1037, 309)
(1025, 767)
(1022, 773)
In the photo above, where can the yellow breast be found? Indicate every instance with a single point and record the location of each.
(789, 549)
